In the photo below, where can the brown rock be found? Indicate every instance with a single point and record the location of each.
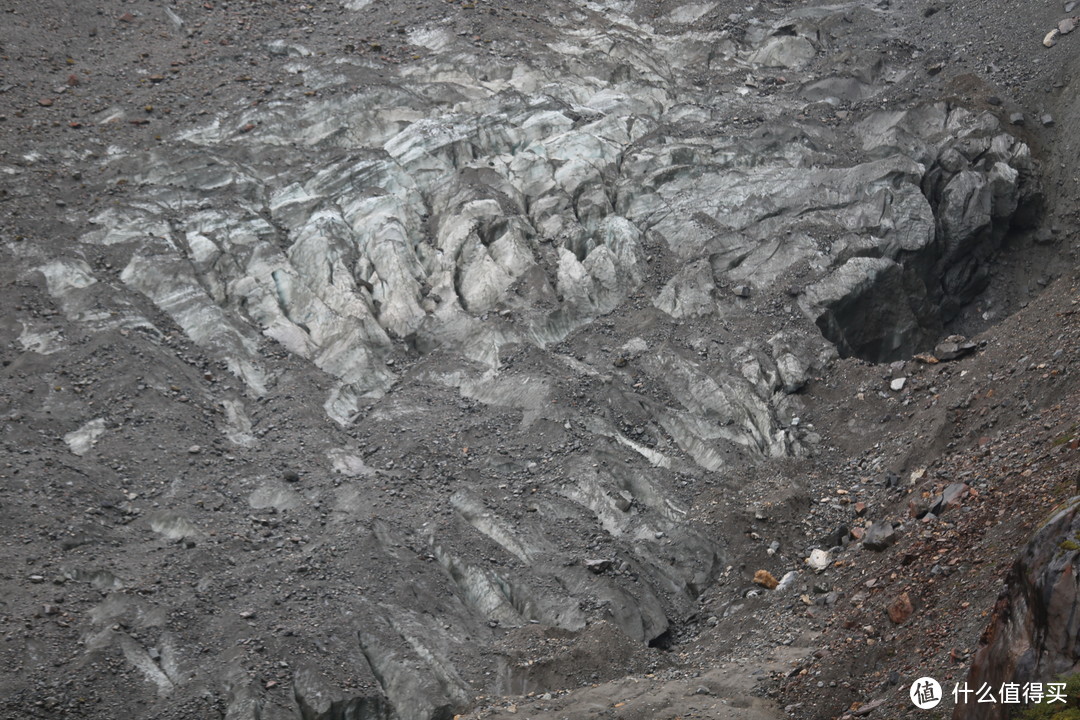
(868, 708)
(45, 102)
(901, 608)
(765, 579)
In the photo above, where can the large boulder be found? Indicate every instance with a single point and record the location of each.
(1033, 632)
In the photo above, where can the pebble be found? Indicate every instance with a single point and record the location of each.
(194, 449)
(1069, 6)
(819, 560)
(765, 579)
(898, 384)
(1066, 26)
(1047, 120)
(1016, 118)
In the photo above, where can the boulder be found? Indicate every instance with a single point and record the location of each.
(1032, 631)
(879, 536)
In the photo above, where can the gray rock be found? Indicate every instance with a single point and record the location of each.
(597, 566)
(954, 347)
(788, 581)
(1016, 118)
(1044, 236)
(1047, 120)
(879, 536)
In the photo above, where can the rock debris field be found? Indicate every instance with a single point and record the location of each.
(429, 360)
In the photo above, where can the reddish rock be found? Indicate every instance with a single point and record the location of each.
(45, 102)
(901, 608)
(765, 579)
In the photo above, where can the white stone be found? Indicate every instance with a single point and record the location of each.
(819, 560)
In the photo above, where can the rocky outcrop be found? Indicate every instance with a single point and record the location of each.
(1032, 633)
